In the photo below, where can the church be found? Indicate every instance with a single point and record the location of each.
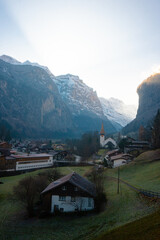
(103, 141)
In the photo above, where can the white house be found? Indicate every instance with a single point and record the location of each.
(120, 159)
(69, 194)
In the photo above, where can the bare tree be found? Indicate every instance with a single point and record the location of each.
(28, 192)
(51, 174)
(97, 177)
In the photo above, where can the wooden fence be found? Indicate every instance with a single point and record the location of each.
(146, 193)
(149, 193)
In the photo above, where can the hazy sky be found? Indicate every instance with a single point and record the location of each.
(112, 45)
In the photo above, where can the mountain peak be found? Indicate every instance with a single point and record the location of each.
(9, 59)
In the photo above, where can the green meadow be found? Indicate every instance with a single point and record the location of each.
(123, 208)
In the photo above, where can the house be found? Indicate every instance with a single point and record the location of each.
(104, 143)
(70, 193)
(120, 159)
(137, 145)
(5, 145)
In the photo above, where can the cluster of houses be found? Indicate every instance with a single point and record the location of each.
(12, 159)
(116, 157)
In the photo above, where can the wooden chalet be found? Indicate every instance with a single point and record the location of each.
(70, 193)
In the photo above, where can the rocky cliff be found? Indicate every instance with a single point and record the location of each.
(37, 104)
(30, 102)
(149, 103)
(83, 103)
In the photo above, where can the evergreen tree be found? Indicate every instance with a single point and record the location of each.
(156, 131)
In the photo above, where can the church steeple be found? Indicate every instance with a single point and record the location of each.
(102, 132)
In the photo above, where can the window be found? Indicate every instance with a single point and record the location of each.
(62, 198)
(89, 202)
(73, 199)
(64, 188)
(75, 189)
(61, 209)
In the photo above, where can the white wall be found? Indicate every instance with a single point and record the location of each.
(32, 164)
(81, 204)
(119, 162)
(102, 140)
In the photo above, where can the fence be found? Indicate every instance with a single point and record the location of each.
(149, 193)
(146, 193)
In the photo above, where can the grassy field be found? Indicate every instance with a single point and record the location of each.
(121, 208)
(143, 172)
(142, 229)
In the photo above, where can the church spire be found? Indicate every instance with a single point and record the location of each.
(102, 132)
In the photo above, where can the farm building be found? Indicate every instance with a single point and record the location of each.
(70, 193)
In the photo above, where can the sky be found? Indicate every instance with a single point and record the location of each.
(112, 45)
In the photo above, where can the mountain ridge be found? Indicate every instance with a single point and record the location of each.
(86, 110)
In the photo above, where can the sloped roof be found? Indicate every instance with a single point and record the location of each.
(74, 179)
(121, 156)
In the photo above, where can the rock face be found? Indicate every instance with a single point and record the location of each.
(37, 104)
(30, 102)
(83, 103)
(149, 103)
(118, 112)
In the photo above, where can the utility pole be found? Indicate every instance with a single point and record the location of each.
(118, 182)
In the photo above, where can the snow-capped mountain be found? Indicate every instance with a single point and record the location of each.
(87, 110)
(78, 96)
(115, 110)
(9, 59)
(38, 65)
(84, 104)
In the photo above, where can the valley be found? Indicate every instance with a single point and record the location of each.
(122, 208)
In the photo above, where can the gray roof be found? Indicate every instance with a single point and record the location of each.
(76, 180)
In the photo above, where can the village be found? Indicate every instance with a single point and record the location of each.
(70, 193)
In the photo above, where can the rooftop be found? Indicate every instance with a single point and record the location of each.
(76, 180)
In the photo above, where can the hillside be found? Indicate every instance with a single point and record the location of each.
(149, 103)
(121, 209)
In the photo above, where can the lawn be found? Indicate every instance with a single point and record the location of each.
(121, 208)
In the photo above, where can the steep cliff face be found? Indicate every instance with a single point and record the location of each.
(149, 103)
(83, 103)
(30, 102)
(80, 98)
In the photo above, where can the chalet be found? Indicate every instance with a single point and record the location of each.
(69, 194)
(137, 145)
(104, 143)
(120, 159)
(113, 153)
